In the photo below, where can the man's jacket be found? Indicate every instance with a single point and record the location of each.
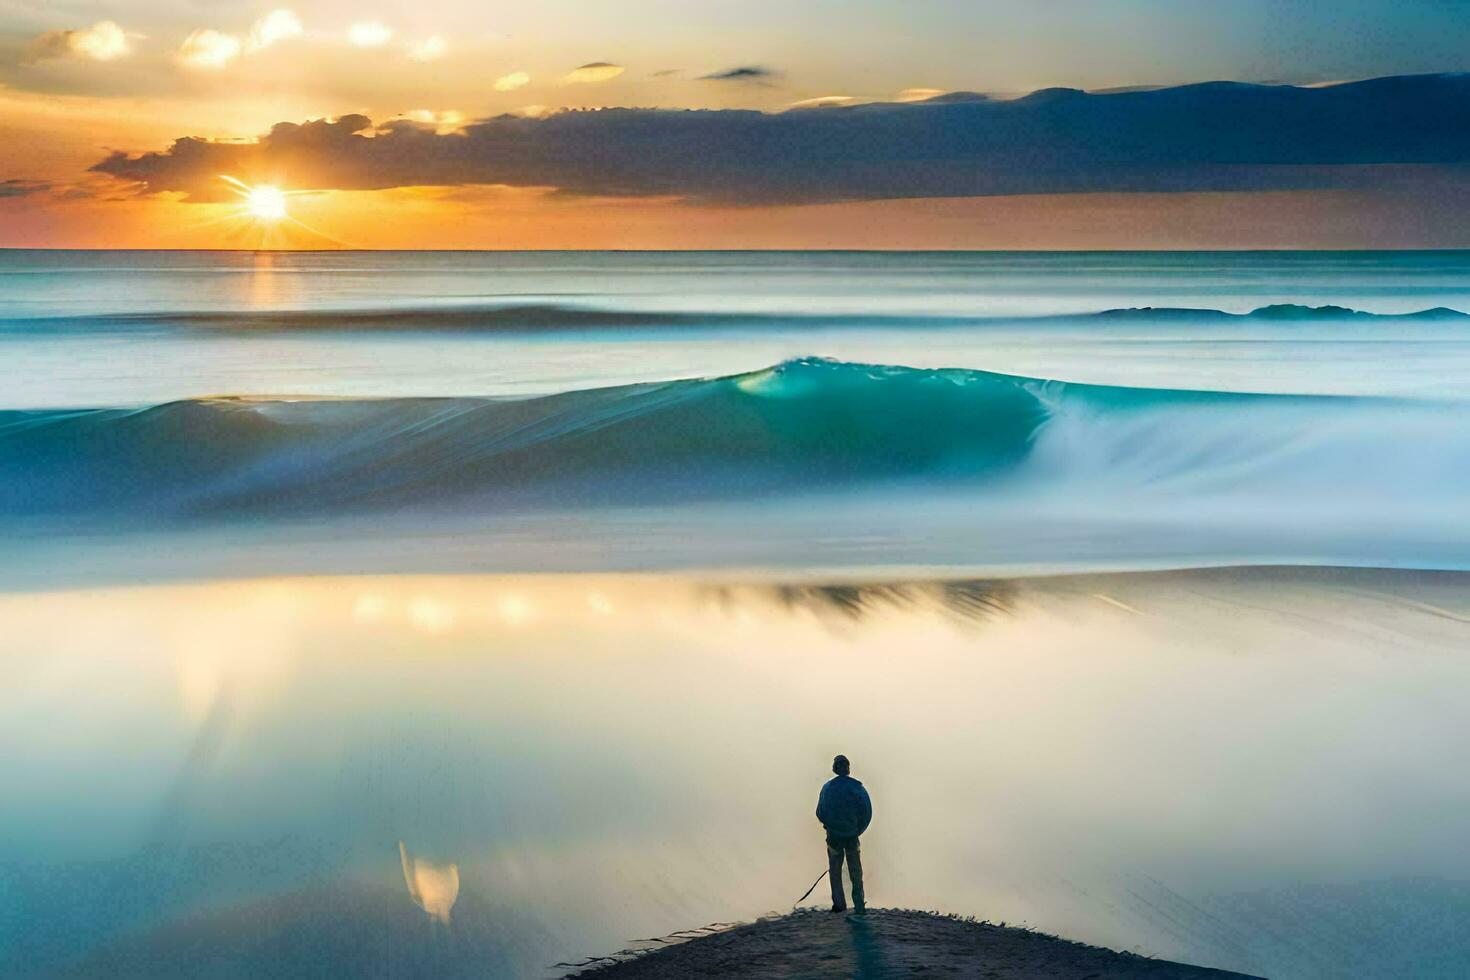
(844, 807)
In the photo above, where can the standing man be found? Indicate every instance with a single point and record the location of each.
(845, 811)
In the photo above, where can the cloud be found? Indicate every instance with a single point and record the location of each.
(592, 72)
(429, 49)
(103, 41)
(22, 188)
(951, 98)
(919, 94)
(209, 49)
(369, 34)
(278, 25)
(444, 121)
(513, 81)
(1214, 137)
(823, 101)
(745, 73)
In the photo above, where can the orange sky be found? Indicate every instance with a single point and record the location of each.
(81, 80)
(44, 135)
(503, 218)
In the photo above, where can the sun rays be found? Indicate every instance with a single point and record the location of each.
(261, 202)
(263, 220)
(266, 203)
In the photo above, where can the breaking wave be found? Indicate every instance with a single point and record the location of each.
(806, 426)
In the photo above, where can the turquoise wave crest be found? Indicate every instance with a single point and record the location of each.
(805, 426)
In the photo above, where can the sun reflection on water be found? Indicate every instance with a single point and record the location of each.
(433, 887)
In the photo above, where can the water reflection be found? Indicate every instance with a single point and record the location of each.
(433, 887)
(264, 280)
(968, 601)
(1192, 765)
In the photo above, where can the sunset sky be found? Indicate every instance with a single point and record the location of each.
(868, 124)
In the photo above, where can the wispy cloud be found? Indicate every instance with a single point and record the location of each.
(369, 34)
(209, 49)
(823, 101)
(1218, 137)
(23, 188)
(429, 49)
(513, 81)
(592, 72)
(278, 25)
(443, 121)
(745, 73)
(103, 41)
(919, 94)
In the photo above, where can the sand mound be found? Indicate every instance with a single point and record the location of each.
(889, 943)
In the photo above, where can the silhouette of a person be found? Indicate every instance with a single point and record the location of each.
(845, 811)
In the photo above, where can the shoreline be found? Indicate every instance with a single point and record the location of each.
(570, 546)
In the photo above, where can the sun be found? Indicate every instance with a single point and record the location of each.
(263, 215)
(266, 203)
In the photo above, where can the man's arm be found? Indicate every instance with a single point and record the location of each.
(866, 808)
(822, 806)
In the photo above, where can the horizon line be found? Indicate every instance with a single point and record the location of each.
(1265, 249)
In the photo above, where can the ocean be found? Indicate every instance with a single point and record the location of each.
(1017, 412)
(1132, 583)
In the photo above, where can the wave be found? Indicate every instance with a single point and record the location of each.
(523, 318)
(802, 427)
(516, 318)
(804, 423)
(1282, 312)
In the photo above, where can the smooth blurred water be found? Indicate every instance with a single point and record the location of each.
(1257, 771)
(210, 766)
(808, 304)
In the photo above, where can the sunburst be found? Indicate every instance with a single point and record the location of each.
(261, 202)
(266, 203)
(264, 211)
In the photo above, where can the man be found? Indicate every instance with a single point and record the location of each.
(845, 811)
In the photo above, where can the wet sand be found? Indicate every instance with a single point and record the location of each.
(458, 775)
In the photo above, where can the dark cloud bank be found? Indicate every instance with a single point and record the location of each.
(1220, 136)
(23, 188)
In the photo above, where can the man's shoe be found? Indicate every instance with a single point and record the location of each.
(860, 910)
(839, 908)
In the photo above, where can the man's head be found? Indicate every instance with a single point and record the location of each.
(841, 766)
